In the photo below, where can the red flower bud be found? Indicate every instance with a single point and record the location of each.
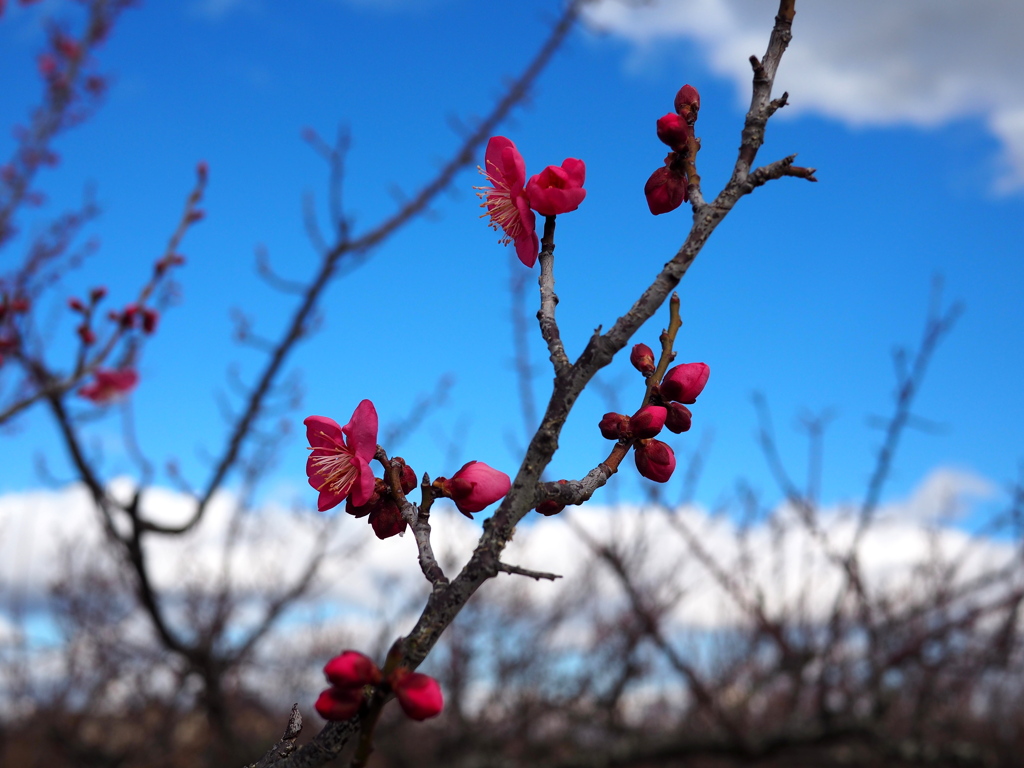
(202, 171)
(613, 425)
(339, 703)
(149, 320)
(549, 508)
(76, 305)
(679, 418)
(666, 190)
(684, 382)
(688, 103)
(474, 487)
(558, 189)
(648, 421)
(85, 333)
(655, 460)
(407, 475)
(351, 669)
(674, 131)
(419, 695)
(386, 518)
(97, 294)
(642, 358)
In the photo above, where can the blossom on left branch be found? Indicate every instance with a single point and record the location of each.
(109, 386)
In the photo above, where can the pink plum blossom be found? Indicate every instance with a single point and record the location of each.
(506, 201)
(339, 462)
(110, 385)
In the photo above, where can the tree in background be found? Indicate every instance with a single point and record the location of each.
(904, 671)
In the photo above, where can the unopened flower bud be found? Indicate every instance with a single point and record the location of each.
(474, 487)
(76, 305)
(386, 519)
(688, 103)
(339, 703)
(655, 460)
(551, 507)
(648, 421)
(406, 473)
(149, 320)
(642, 358)
(665, 190)
(674, 131)
(97, 294)
(418, 695)
(679, 418)
(684, 382)
(86, 334)
(352, 669)
(614, 425)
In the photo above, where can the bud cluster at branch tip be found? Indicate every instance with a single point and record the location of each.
(656, 460)
(351, 672)
(668, 187)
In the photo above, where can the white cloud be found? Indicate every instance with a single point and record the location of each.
(366, 580)
(874, 62)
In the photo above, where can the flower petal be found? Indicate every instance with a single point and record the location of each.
(322, 432)
(361, 431)
(363, 488)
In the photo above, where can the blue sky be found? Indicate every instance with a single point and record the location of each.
(801, 294)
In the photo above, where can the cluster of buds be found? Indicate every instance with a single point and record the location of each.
(511, 201)
(352, 675)
(10, 308)
(134, 316)
(381, 511)
(338, 467)
(667, 409)
(667, 188)
(86, 309)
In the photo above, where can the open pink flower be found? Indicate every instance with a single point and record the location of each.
(474, 487)
(558, 189)
(339, 464)
(505, 200)
(110, 385)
